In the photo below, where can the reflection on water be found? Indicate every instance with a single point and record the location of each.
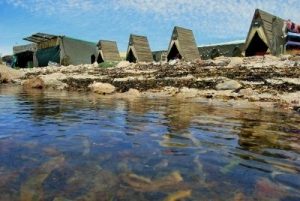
(68, 146)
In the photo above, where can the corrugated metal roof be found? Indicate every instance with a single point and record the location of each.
(40, 37)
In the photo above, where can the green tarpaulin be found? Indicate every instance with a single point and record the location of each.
(44, 56)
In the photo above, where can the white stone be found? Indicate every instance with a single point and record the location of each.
(228, 85)
(123, 64)
(102, 88)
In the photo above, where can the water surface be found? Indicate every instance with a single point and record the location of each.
(72, 146)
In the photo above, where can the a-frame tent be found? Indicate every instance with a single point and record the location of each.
(265, 35)
(108, 51)
(183, 45)
(138, 49)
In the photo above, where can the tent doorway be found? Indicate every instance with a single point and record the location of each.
(174, 53)
(93, 59)
(100, 59)
(130, 57)
(257, 47)
(24, 59)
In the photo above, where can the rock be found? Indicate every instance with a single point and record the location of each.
(221, 61)
(179, 195)
(102, 88)
(228, 85)
(188, 92)
(239, 197)
(267, 190)
(284, 57)
(173, 62)
(32, 188)
(54, 81)
(8, 74)
(133, 92)
(34, 83)
(144, 184)
(235, 61)
(295, 58)
(271, 58)
(123, 64)
(246, 92)
(171, 90)
(95, 64)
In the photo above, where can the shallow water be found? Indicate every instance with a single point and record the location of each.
(72, 146)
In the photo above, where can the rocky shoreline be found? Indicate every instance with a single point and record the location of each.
(263, 81)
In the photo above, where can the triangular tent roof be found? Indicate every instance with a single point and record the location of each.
(185, 43)
(108, 50)
(268, 28)
(138, 49)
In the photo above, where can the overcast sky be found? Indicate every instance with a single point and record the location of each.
(212, 21)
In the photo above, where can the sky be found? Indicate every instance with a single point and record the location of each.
(212, 21)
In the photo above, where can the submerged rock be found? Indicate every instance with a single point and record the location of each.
(145, 184)
(32, 189)
(179, 195)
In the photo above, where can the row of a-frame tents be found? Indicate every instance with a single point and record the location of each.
(265, 36)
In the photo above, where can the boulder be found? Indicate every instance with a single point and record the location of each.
(8, 74)
(102, 88)
(246, 92)
(235, 61)
(188, 92)
(221, 61)
(123, 64)
(34, 83)
(173, 62)
(54, 81)
(228, 85)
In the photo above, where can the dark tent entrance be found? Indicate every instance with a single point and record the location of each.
(174, 53)
(93, 59)
(24, 59)
(257, 47)
(100, 59)
(130, 57)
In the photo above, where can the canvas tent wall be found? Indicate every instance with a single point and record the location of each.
(24, 55)
(61, 49)
(108, 51)
(229, 49)
(138, 49)
(183, 45)
(160, 55)
(76, 52)
(265, 35)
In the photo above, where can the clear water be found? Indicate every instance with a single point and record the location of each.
(69, 146)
